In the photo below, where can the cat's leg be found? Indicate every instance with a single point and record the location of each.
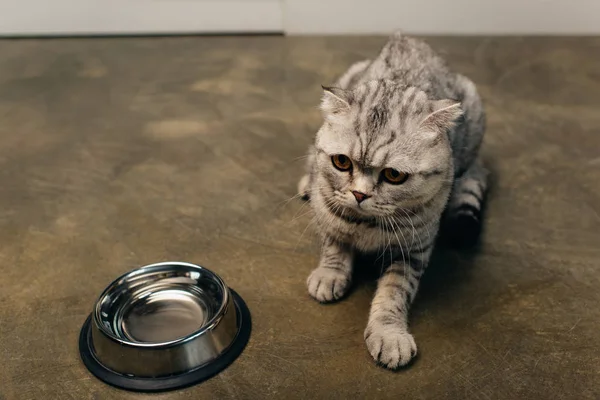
(332, 278)
(387, 336)
(463, 214)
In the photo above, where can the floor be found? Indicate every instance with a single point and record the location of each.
(116, 153)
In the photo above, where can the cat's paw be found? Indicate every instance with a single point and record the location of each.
(390, 345)
(303, 187)
(327, 285)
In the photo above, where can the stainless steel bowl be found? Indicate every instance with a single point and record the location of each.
(164, 326)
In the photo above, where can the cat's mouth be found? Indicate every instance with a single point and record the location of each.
(369, 211)
(351, 214)
(357, 211)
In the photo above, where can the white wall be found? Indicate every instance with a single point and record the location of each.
(512, 17)
(60, 17)
(442, 16)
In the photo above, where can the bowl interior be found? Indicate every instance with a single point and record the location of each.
(160, 303)
(163, 316)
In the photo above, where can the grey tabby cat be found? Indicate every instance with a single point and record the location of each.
(396, 156)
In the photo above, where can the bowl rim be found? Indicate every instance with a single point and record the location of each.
(209, 325)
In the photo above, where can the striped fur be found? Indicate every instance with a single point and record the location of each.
(407, 111)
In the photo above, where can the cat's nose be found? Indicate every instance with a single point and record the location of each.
(360, 196)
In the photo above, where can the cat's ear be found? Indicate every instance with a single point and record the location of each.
(335, 101)
(443, 115)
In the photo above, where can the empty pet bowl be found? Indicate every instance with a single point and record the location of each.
(164, 326)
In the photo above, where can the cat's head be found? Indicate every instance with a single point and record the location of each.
(383, 147)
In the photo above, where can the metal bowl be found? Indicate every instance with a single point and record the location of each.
(164, 326)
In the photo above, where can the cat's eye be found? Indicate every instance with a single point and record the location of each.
(341, 162)
(393, 176)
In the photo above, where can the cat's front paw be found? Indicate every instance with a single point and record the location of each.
(327, 285)
(390, 345)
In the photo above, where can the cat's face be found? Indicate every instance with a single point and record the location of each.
(383, 149)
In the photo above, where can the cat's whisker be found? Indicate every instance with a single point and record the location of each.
(383, 245)
(295, 217)
(425, 225)
(284, 203)
(405, 265)
(413, 230)
(287, 201)
(389, 245)
(302, 215)
(392, 222)
(312, 220)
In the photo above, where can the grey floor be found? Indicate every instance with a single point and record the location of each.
(116, 153)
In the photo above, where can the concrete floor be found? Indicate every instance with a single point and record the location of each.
(120, 152)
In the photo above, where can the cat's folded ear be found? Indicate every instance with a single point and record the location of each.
(443, 115)
(335, 101)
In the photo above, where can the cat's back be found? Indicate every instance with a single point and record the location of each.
(412, 62)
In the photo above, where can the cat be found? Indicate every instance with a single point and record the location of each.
(395, 157)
